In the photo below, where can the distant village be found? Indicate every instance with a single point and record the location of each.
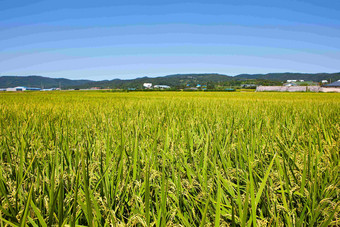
(292, 85)
(188, 87)
(303, 86)
(22, 88)
(289, 86)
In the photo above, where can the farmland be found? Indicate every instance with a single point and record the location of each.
(169, 159)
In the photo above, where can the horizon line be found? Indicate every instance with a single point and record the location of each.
(140, 77)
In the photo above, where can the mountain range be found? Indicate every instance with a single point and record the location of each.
(39, 82)
(177, 80)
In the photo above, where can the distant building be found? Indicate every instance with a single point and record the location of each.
(16, 89)
(147, 85)
(289, 81)
(191, 89)
(334, 84)
(248, 86)
(324, 81)
(198, 86)
(33, 89)
(299, 88)
(162, 86)
(50, 89)
(290, 84)
(20, 88)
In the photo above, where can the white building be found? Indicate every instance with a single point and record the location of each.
(21, 88)
(16, 89)
(324, 81)
(147, 85)
(162, 86)
(50, 89)
(289, 81)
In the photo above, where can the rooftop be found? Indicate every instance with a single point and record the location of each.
(334, 84)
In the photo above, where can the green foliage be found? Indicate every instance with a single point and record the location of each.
(169, 158)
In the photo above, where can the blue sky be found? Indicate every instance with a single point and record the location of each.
(105, 39)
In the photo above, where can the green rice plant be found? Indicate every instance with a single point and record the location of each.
(169, 159)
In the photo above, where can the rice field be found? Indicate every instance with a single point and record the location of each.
(169, 159)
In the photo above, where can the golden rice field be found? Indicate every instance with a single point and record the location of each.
(169, 159)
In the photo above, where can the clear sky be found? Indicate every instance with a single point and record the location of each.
(107, 39)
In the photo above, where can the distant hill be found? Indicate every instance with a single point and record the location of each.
(175, 81)
(180, 80)
(171, 80)
(39, 81)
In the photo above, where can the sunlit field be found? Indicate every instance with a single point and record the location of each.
(169, 159)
